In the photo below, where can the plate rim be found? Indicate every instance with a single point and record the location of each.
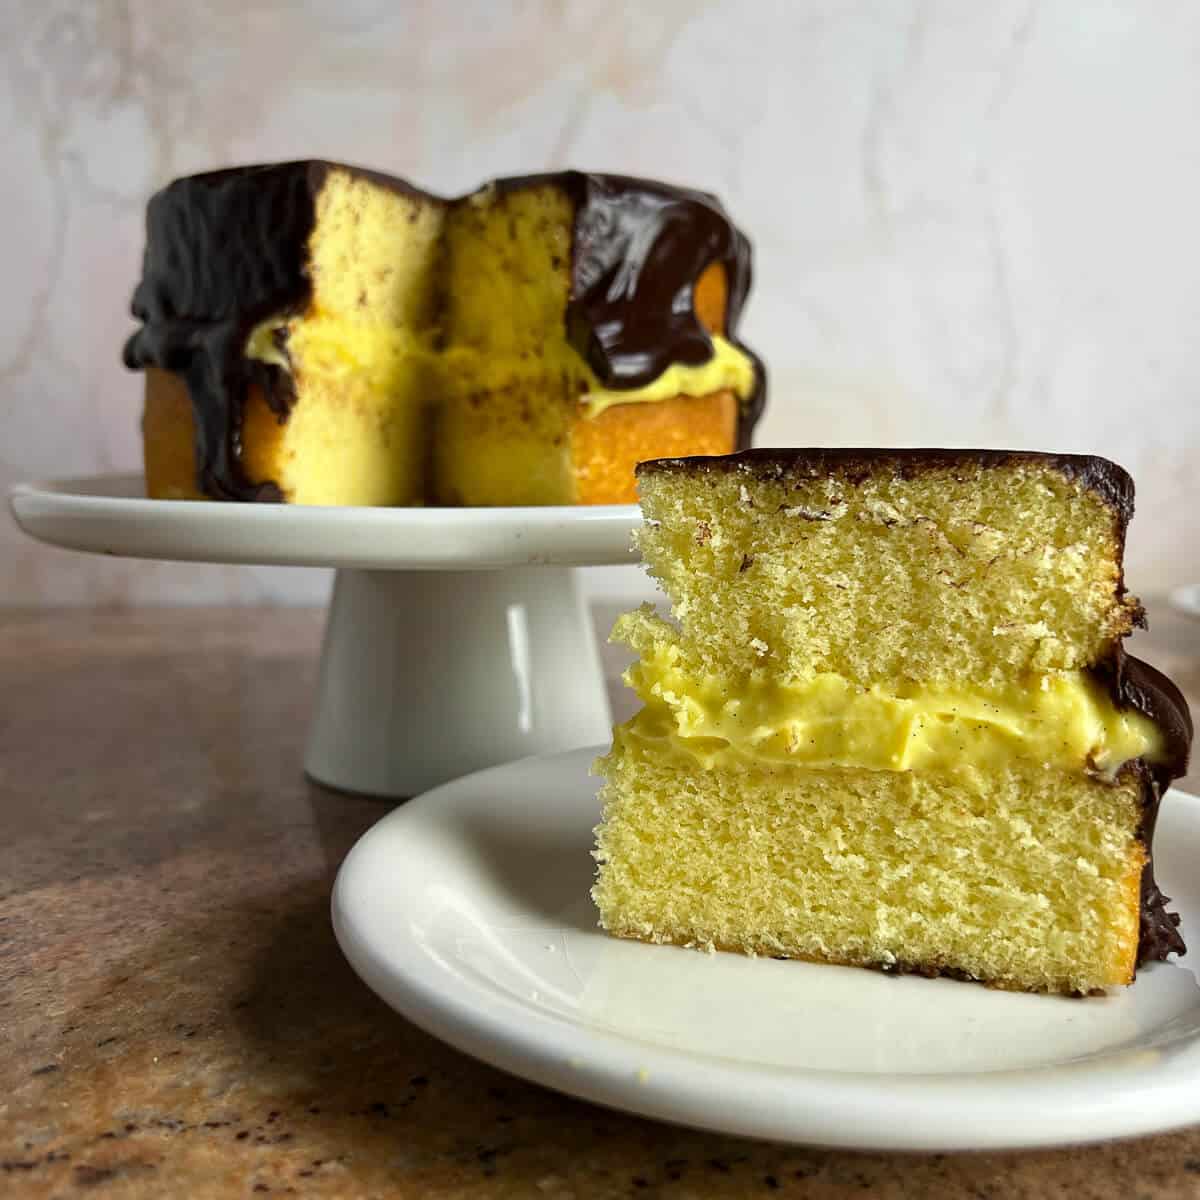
(850, 1110)
(82, 513)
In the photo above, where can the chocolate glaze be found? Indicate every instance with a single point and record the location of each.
(1108, 480)
(1136, 685)
(227, 249)
(1131, 683)
(639, 248)
(224, 251)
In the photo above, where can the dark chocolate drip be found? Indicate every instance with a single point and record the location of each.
(1136, 685)
(1158, 932)
(224, 251)
(751, 408)
(639, 249)
(276, 385)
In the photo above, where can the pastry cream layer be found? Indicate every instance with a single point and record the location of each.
(337, 344)
(1063, 719)
(341, 345)
(729, 369)
(360, 392)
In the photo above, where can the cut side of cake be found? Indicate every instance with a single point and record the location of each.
(320, 334)
(891, 723)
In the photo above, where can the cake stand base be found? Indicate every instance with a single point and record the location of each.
(457, 638)
(428, 675)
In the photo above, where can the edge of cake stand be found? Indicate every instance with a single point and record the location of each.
(455, 639)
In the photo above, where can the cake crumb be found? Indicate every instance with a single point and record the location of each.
(814, 514)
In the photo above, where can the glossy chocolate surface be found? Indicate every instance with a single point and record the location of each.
(224, 251)
(1136, 685)
(639, 249)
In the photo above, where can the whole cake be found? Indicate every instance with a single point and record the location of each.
(892, 723)
(320, 334)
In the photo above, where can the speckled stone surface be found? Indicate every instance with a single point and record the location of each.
(176, 1019)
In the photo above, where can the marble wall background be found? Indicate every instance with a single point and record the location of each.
(975, 223)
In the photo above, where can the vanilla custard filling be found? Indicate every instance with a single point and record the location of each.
(335, 345)
(318, 342)
(1063, 719)
(729, 369)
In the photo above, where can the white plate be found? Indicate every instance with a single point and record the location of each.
(110, 514)
(467, 910)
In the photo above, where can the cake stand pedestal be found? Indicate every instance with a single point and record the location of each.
(426, 676)
(456, 638)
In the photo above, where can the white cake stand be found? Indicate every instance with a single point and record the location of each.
(456, 638)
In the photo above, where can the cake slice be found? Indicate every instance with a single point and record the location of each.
(891, 723)
(587, 325)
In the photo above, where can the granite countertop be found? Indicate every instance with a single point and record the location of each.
(176, 1018)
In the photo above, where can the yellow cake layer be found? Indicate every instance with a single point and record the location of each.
(1064, 719)
(1028, 878)
(956, 572)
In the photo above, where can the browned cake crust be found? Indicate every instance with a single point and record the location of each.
(927, 970)
(606, 450)
(1107, 479)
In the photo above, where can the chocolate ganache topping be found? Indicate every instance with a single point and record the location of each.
(224, 250)
(228, 249)
(640, 248)
(1134, 684)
